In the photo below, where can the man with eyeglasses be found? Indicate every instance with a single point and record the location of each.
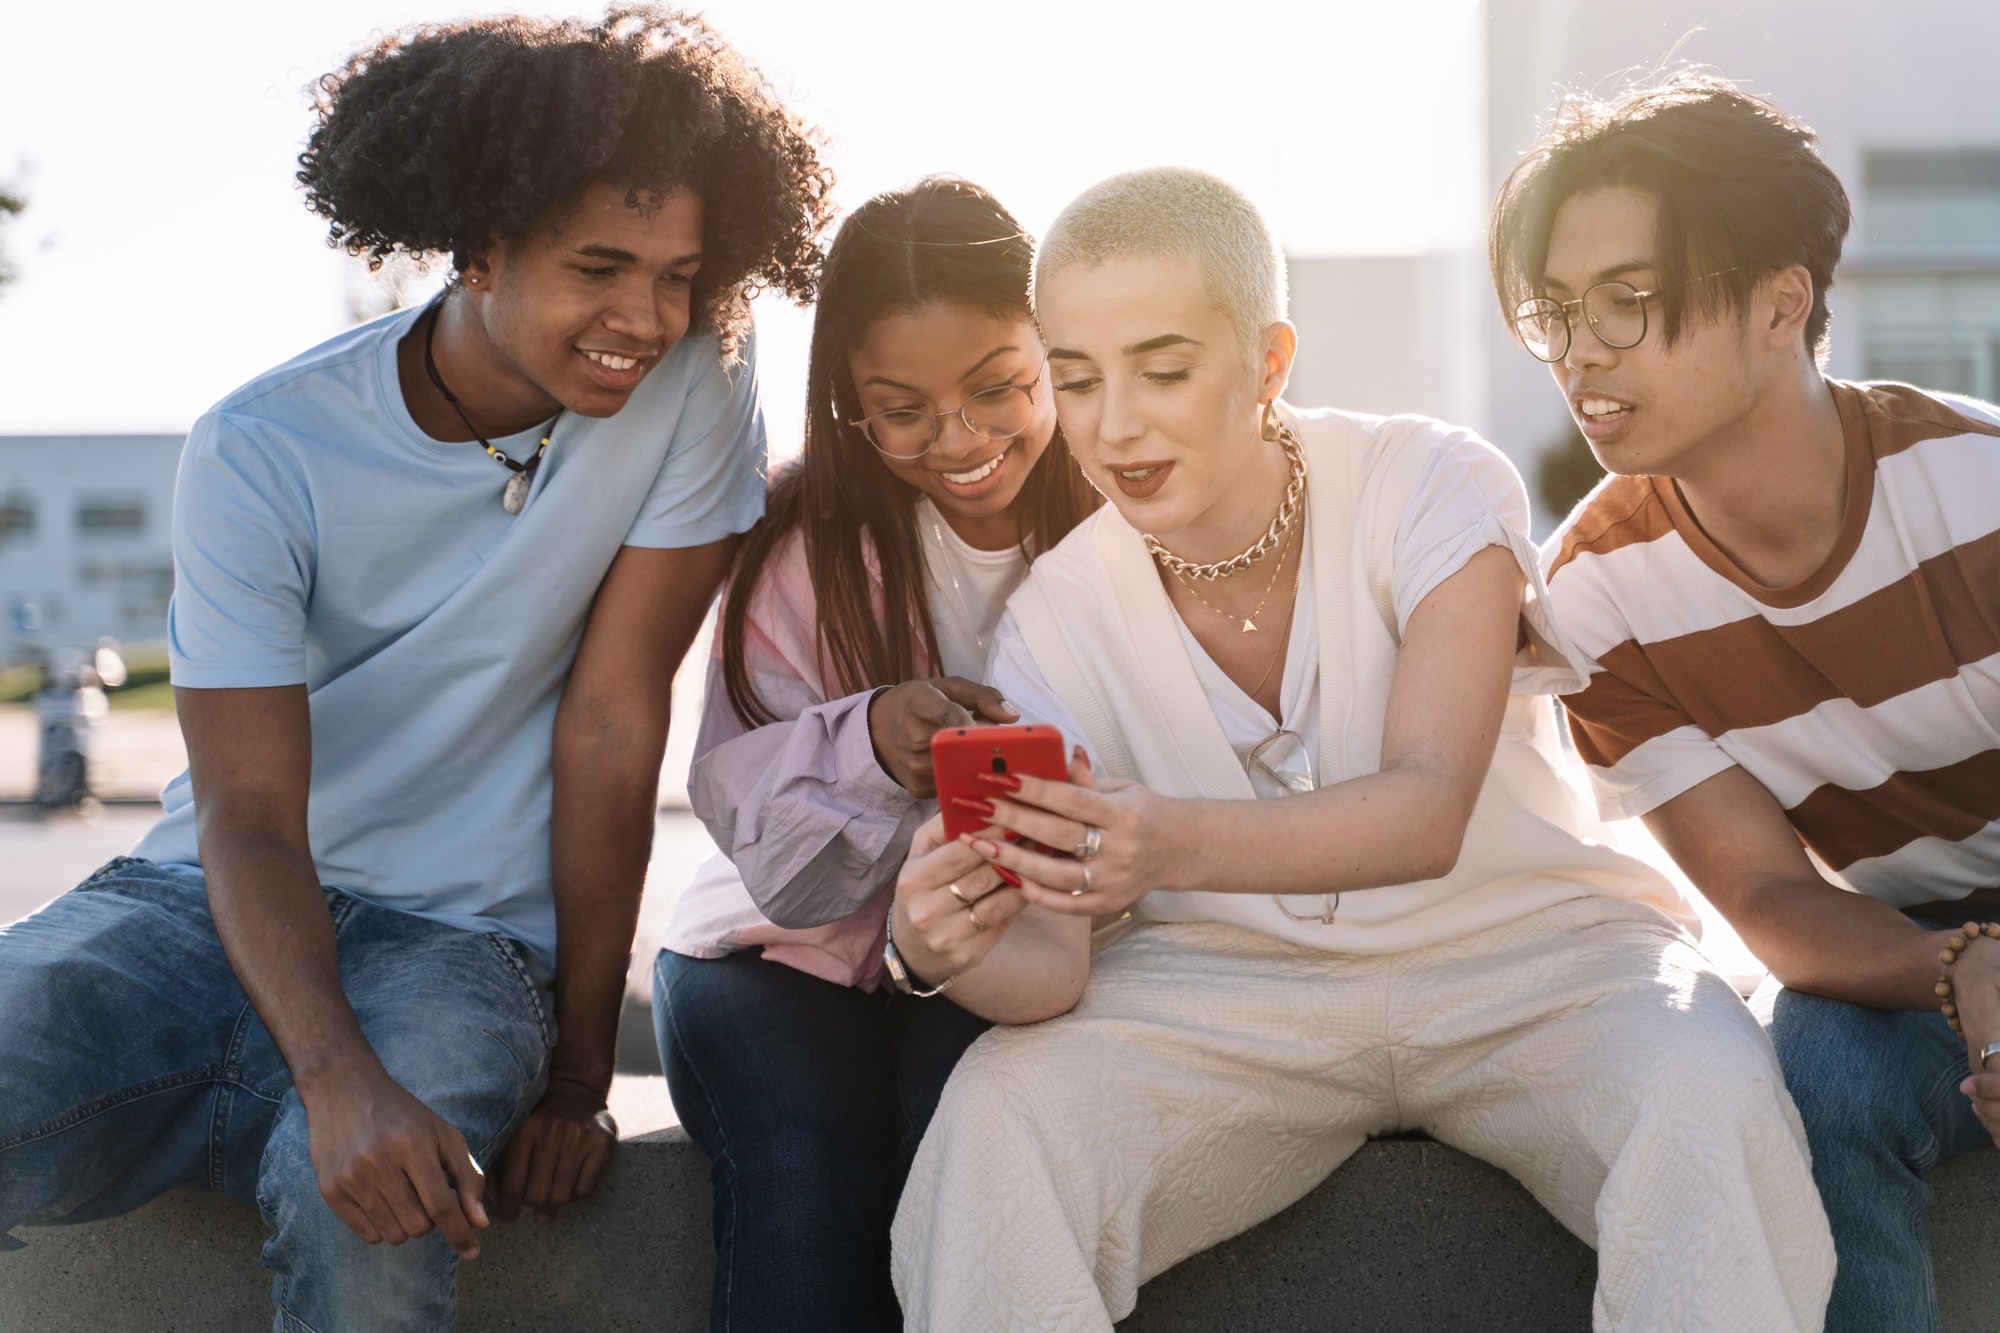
(1790, 588)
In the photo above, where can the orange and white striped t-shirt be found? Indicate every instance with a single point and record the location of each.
(1866, 698)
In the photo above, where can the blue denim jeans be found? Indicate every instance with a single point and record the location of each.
(131, 1063)
(1878, 1091)
(810, 1100)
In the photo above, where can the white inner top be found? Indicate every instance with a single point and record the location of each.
(969, 590)
(1243, 719)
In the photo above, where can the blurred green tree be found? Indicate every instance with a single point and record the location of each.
(1565, 472)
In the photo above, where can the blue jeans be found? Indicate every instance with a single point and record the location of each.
(131, 1063)
(1878, 1091)
(810, 1100)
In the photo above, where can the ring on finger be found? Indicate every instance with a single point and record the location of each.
(952, 889)
(1093, 838)
(977, 924)
(1078, 893)
(1992, 1049)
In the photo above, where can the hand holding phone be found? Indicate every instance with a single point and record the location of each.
(902, 720)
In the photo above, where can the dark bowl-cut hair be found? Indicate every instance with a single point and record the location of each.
(440, 138)
(1739, 187)
(941, 242)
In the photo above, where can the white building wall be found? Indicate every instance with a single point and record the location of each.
(85, 536)
(1388, 334)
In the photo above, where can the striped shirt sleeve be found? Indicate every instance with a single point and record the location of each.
(1641, 746)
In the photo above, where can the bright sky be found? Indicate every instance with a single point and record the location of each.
(166, 256)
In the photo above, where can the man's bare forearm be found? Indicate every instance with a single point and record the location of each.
(250, 755)
(1819, 938)
(606, 803)
(271, 916)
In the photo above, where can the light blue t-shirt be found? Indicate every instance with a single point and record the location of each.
(321, 538)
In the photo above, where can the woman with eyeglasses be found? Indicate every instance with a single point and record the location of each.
(1362, 898)
(855, 626)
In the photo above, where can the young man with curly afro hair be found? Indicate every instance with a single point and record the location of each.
(432, 580)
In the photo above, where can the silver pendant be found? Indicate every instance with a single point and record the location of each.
(515, 498)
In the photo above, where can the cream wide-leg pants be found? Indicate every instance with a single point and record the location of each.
(1211, 1076)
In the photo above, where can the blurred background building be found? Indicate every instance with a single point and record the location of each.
(85, 527)
(1901, 96)
(1898, 89)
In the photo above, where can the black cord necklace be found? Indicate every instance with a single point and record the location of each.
(515, 498)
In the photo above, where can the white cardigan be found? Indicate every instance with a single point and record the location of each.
(1104, 636)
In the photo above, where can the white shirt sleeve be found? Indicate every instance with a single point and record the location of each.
(1468, 498)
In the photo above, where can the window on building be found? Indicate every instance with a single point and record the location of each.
(1932, 199)
(1931, 267)
(111, 515)
(17, 518)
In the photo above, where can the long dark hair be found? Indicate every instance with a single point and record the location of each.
(940, 240)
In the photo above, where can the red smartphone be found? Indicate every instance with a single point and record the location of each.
(960, 754)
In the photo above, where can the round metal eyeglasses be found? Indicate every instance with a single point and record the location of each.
(1616, 312)
(998, 413)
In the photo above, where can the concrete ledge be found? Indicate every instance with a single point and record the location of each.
(1408, 1235)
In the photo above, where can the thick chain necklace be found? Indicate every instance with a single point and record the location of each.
(1288, 512)
(1249, 621)
(515, 498)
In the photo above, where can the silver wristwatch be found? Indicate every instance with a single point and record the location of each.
(899, 975)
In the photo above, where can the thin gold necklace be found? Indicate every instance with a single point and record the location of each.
(1249, 621)
(1283, 640)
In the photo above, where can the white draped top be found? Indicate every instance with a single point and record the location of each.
(1395, 506)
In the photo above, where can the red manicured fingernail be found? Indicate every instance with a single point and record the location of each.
(1007, 877)
(974, 804)
(1004, 781)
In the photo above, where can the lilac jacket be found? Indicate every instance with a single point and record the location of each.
(812, 830)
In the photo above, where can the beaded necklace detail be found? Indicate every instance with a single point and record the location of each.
(515, 498)
(1288, 512)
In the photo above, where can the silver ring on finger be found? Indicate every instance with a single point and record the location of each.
(1093, 838)
(952, 889)
(1992, 1049)
(1078, 893)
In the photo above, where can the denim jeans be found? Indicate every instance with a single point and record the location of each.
(810, 1100)
(131, 1063)
(1878, 1091)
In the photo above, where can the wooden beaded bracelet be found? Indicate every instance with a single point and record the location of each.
(1948, 955)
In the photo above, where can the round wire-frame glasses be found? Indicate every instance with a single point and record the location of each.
(1616, 311)
(1278, 766)
(991, 414)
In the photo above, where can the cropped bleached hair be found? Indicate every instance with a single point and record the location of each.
(1176, 213)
